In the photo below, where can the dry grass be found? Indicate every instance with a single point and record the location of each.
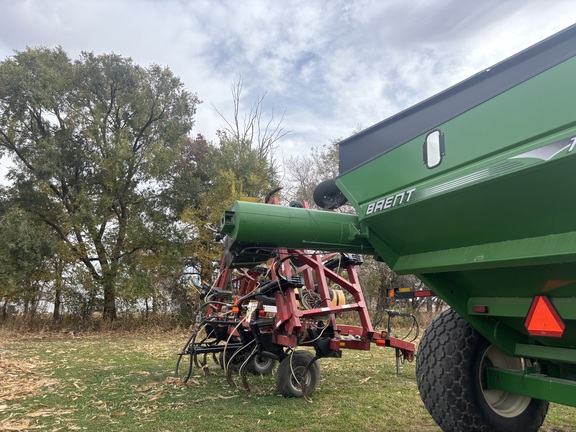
(44, 325)
(110, 382)
(20, 379)
(123, 382)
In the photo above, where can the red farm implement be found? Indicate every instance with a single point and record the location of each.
(268, 303)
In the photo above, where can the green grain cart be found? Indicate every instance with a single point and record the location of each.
(474, 191)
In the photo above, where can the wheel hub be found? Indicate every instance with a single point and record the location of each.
(503, 403)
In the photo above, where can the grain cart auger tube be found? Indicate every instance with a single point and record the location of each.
(473, 191)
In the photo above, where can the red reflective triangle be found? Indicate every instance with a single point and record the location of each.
(543, 319)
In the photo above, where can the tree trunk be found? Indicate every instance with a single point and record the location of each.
(57, 303)
(58, 290)
(184, 307)
(109, 313)
(154, 303)
(429, 305)
(34, 306)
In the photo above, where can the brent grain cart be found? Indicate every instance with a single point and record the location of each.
(474, 191)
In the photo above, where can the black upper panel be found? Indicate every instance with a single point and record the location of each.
(432, 112)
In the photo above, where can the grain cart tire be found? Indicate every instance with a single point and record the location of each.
(449, 371)
(292, 371)
(261, 365)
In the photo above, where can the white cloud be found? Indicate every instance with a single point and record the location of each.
(330, 65)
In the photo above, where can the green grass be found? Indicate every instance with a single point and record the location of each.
(123, 383)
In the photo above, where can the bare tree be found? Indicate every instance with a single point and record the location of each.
(305, 172)
(252, 128)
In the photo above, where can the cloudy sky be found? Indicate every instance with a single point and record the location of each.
(330, 66)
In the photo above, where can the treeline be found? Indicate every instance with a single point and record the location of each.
(111, 205)
(110, 202)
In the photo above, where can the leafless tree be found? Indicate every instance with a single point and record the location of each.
(254, 128)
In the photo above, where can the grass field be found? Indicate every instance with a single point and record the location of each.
(124, 383)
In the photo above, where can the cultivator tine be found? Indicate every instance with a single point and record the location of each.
(229, 378)
(190, 366)
(177, 370)
(303, 385)
(204, 364)
(305, 393)
(245, 385)
(244, 370)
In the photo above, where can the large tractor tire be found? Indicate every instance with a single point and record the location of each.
(450, 371)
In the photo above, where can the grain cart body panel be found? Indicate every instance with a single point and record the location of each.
(474, 191)
(493, 224)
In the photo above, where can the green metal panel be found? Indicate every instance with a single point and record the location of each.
(533, 385)
(546, 353)
(274, 225)
(496, 219)
(555, 248)
(517, 307)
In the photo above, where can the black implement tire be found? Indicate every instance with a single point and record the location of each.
(230, 359)
(261, 365)
(327, 195)
(291, 372)
(449, 365)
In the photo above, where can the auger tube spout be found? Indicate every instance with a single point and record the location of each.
(255, 225)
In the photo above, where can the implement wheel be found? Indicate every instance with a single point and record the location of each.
(450, 371)
(296, 370)
(231, 359)
(327, 195)
(261, 365)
